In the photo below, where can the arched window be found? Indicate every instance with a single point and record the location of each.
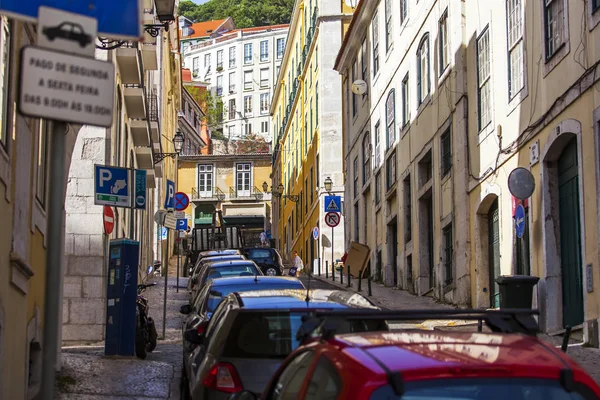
(366, 145)
(423, 81)
(390, 118)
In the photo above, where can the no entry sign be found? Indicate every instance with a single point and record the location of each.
(332, 219)
(109, 219)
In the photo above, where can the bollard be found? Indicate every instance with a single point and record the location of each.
(480, 326)
(369, 283)
(319, 268)
(349, 283)
(360, 280)
(565, 343)
(326, 269)
(341, 275)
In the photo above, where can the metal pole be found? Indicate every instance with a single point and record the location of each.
(164, 321)
(349, 282)
(326, 269)
(369, 283)
(332, 262)
(56, 234)
(360, 280)
(341, 274)
(178, 257)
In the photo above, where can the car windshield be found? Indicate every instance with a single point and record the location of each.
(484, 389)
(233, 270)
(217, 294)
(259, 253)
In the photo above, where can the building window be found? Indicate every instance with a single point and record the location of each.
(207, 61)
(484, 82)
(523, 265)
(220, 60)
(423, 81)
(264, 127)
(248, 80)
(232, 82)
(243, 179)
(317, 104)
(446, 148)
(388, 24)
(403, 11)
(377, 144)
(443, 42)
(516, 66)
(448, 254)
(312, 185)
(595, 5)
(232, 58)
(5, 43)
(42, 163)
(354, 97)
(378, 188)
(375, 34)
(280, 48)
(366, 158)
(264, 50)
(264, 77)
(248, 105)
(355, 172)
(264, 103)
(231, 108)
(390, 118)
(407, 210)
(195, 66)
(405, 101)
(356, 224)
(390, 171)
(248, 128)
(248, 53)
(220, 85)
(554, 20)
(364, 63)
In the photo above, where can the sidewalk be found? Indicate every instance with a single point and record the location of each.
(393, 298)
(88, 374)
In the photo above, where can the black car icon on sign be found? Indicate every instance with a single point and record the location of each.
(68, 31)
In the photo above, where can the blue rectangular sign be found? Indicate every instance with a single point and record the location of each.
(116, 18)
(182, 224)
(170, 195)
(139, 200)
(111, 186)
(333, 204)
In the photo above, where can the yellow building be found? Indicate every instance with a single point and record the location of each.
(231, 183)
(307, 119)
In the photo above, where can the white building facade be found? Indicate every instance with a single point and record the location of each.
(241, 67)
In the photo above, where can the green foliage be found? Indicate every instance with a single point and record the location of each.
(245, 13)
(212, 106)
(251, 143)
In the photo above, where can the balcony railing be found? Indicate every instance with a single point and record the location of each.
(252, 193)
(214, 194)
(153, 106)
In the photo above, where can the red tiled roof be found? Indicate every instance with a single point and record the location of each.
(262, 28)
(186, 75)
(204, 29)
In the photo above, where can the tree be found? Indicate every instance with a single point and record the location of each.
(251, 143)
(213, 109)
(245, 13)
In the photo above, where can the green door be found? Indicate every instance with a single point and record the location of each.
(570, 236)
(494, 253)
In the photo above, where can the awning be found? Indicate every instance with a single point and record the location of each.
(249, 221)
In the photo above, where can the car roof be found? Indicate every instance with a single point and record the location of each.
(259, 280)
(296, 298)
(219, 252)
(223, 257)
(415, 350)
(229, 263)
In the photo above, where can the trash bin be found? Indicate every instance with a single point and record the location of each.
(516, 291)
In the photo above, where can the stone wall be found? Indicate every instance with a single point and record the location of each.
(84, 286)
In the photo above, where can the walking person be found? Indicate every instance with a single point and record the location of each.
(297, 264)
(263, 239)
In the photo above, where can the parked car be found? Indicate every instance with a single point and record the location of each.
(224, 269)
(418, 364)
(268, 259)
(214, 253)
(203, 262)
(211, 295)
(251, 333)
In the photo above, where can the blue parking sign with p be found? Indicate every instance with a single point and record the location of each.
(170, 197)
(182, 224)
(111, 186)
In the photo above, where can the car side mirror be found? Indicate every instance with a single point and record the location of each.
(185, 309)
(192, 336)
(243, 395)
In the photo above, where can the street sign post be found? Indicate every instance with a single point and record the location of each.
(315, 233)
(116, 18)
(170, 221)
(66, 87)
(520, 221)
(169, 198)
(140, 189)
(332, 219)
(333, 204)
(109, 219)
(66, 31)
(182, 224)
(182, 201)
(111, 186)
(179, 214)
(159, 217)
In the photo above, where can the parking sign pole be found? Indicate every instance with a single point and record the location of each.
(55, 250)
(164, 321)
(178, 257)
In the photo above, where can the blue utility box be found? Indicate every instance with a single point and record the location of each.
(121, 296)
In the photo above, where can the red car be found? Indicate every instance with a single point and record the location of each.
(428, 365)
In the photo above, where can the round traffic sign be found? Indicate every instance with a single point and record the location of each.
(520, 221)
(521, 183)
(315, 233)
(182, 201)
(108, 218)
(332, 219)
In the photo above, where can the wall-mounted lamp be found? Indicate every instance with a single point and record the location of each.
(328, 183)
(279, 193)
(178, 141)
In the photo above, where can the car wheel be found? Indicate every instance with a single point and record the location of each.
(271, 271)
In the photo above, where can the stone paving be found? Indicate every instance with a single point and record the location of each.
(396, 299)
(88, 374)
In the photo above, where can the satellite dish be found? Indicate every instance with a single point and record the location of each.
(359, 87)
(521, 183)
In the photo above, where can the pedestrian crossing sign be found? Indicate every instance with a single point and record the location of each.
(333, 204)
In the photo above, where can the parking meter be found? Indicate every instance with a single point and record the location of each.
(121, 297)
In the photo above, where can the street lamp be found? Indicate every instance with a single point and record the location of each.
(279, 193)
(165, 10)
(265, 186)
(328, 184)
(178, 141)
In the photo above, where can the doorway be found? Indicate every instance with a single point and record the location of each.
(494, 253)
(570, 236)
(393, 249)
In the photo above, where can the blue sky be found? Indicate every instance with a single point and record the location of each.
(199, 1)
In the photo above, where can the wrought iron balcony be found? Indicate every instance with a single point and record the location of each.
(253, 193)
(212, 194)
